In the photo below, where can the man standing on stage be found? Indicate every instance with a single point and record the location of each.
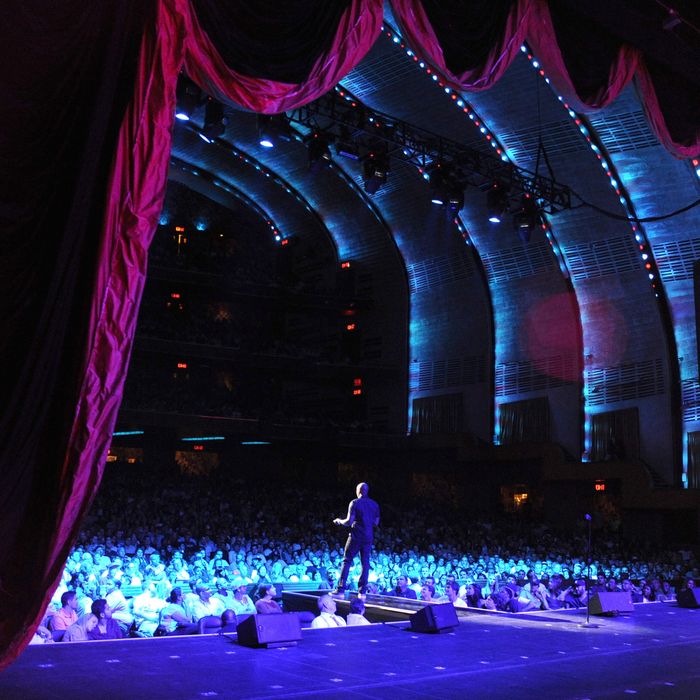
(363, 517)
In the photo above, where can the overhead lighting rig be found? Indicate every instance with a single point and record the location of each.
(356, 129)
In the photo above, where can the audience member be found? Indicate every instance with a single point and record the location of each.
(356, 616)
(66, 616)
(80, 631)
(326, 616)
(266, 603)
(403, 590)
(242, 604)
(107, 627)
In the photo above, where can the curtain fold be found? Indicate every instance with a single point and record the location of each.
(72, 317)
(615, 436)
(66, 95)
(524, 421)
(586, 65)
(472, 44)
(357, 29)
(438, 414)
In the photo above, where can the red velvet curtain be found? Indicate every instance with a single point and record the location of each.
(588, 65)
(75, 322)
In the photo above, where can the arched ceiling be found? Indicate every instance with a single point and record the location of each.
(594, 311)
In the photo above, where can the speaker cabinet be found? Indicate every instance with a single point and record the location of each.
(689, 598)
(434, 618)
(604, 603)
(269, 631)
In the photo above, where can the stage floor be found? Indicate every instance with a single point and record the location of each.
(650, 653)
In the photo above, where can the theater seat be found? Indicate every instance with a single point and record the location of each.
(209, 624)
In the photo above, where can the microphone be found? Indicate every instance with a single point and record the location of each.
(588, 516)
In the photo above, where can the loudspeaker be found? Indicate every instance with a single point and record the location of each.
(274, 630)
(434, 618)
(689, 598)
(611, 603)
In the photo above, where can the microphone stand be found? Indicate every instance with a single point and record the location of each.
(588, 622)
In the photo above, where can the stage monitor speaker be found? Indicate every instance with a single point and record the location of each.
(434, 618)
(273, 630)
(611, 603)
(689, 598)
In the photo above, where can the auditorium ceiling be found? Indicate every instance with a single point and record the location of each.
(593, 307)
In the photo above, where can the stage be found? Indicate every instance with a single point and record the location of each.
(651, 653)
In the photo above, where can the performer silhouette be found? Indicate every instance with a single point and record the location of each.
(362, 518)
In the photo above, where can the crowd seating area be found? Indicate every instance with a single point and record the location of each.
(148, 539)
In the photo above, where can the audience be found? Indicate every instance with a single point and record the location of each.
(152, 551)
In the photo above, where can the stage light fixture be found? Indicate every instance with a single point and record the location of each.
(189, 97)
(438, 179)
(345, 146)
(273, 128)
(215, 120)
(526, 218)
(375, 168)
(497, 202)
(446, 188)
(455, 197)
(319, 153)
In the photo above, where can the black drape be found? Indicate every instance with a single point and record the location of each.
(68, 72)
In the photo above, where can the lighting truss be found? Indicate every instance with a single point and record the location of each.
(338, 118)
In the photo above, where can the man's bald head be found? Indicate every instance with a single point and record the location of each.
(362, 489)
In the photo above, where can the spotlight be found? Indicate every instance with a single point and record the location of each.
(345, 145)
(189, 97)
(214, 121)
(439, 184)
(497, 202)
(375, 168)
(455, 197)
(319, 153)
(273, 128)
(446, 188)
(526, 218)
